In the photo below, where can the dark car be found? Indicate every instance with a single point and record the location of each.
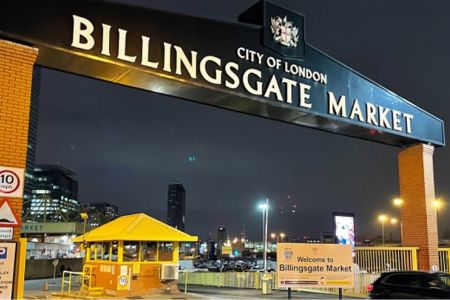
(411, 285)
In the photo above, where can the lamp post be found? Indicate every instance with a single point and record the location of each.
(282, 235)
(394, 222)
(382, 219)
(437, 204)
(84, 216)
(265, 213)
(398, 202)
(274, 237)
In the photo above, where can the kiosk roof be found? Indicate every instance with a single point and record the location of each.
(137, 227)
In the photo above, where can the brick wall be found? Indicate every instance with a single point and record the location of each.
(418, 213)
(16, 69)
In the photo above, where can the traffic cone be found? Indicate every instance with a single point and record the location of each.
(45, 286)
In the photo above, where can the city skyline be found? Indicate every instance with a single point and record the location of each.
(119, 139)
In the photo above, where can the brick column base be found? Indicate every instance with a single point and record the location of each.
(418, 213)
(16, 69)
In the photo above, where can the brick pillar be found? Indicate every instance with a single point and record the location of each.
(418, 213)
(16, 69)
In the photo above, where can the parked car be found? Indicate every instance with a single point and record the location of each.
(410, 285)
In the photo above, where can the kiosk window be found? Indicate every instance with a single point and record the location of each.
(92, 251)
(165, 252)
(130, 251)
(114, 250)
(106, 247)
(99, 254)
(149, 251)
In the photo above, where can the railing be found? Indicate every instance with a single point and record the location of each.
(243, 280)
(385, 259)
(253, 280)
(372, 261)
(72, 279)
(444, 259)
(87, 276)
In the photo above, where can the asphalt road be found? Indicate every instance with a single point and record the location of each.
(38, 284)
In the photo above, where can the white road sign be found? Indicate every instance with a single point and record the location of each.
(11, 182)
(6, 233)
(7, 216)
(7, 259)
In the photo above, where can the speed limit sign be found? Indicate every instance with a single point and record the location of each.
(11, 182)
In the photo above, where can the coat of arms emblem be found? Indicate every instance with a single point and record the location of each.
(284, 32)
(287, 254)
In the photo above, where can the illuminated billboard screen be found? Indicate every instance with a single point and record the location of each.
(344, 228)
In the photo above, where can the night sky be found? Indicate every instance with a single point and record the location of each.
(127, 145)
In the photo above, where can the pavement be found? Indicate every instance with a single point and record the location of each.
(34, 290)
(232, 293)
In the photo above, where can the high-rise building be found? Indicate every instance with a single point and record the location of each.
(221, 235)
(32, 134)
(221, 239)
(176, 206)
(54, 195)
(100, 213)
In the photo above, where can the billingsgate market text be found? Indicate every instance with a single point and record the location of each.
(324, 265)
(228, 74)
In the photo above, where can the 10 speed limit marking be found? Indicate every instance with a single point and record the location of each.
(11, 182)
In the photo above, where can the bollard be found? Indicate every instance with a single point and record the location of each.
(266, 284)
(45, 286)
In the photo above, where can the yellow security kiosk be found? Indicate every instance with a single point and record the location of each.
(130, 256)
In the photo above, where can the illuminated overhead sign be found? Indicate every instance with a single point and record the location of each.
(344, 228)
(262, 66)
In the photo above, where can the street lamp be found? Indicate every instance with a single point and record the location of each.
(282, 235)
(397, 202)
(84, 216)
(437, 204)
(265, 213)
(394, 222)
(382, 219)
(274, 236)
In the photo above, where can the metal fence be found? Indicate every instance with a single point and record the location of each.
(71, 280)
(253, 280)
(444, 256)
(384, 259)
(244, 280)
(372, 261)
